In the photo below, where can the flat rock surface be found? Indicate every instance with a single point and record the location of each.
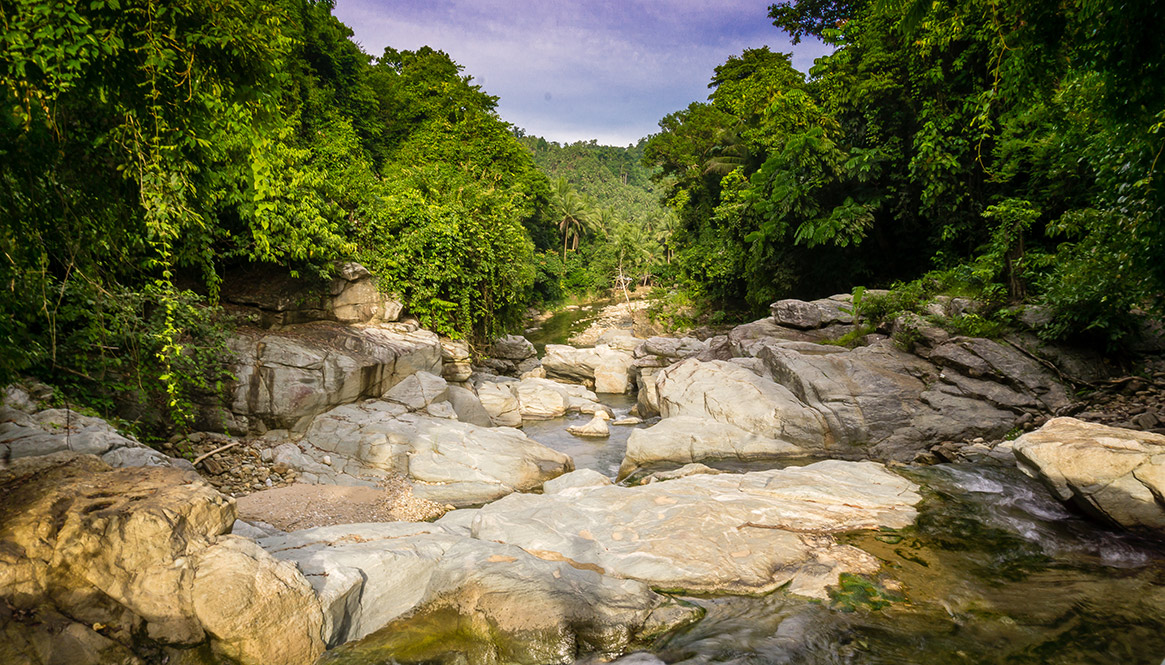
(368, 575)
(747, 533)
(301, 506)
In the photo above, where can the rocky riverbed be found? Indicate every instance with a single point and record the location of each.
(385, 495)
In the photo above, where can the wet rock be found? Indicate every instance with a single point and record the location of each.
(1115, 474)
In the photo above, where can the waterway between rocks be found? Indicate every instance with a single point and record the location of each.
(994, 570)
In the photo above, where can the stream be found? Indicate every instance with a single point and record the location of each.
(993, 571)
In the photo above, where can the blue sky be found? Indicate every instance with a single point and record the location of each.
(571, 71)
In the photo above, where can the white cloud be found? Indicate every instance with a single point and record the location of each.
(611, 70)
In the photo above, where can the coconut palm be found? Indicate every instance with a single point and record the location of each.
(572, 212)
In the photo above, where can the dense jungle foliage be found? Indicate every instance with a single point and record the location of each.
(617, 232)
(148, 145)
(1006, 148)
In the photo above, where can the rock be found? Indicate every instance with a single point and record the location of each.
(620, 339)
(455, 358)
(55, 430)
(597, 427)
(285, 379)
(468, 407)
(1115, 474)
(608, 368)
(684, 471)
(279, 299)
(368, 575)
(142, 552)
(512, 347)
(726, 393)
(257, 609)
(627, 421)
(882, 402)
(670, 348)
(574, 480)
(684, 439)
(500, 404)
(732, 533)
(418, 391)
(647, 400)
(447, 460)
(796, 314)
(542, 399)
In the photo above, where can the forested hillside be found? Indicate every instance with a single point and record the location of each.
(1009, 150)
(1005, 149)
(622, 231)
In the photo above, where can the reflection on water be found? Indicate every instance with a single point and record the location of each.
(559, 328)
(994, 571)
(602, 455)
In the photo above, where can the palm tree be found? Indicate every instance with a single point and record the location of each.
(572, 212)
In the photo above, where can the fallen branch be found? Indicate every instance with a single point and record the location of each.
(215, 451)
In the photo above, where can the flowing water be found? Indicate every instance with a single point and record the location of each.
(994, 571)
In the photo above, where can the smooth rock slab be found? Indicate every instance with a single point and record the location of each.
(738, 534)
(448, 461)
(58, 430)
(685, 439)
(728, 393)
(367, 575)
(1112, 473)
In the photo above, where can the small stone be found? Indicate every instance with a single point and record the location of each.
(327, 460)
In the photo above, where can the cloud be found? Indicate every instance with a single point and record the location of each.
(580, 70)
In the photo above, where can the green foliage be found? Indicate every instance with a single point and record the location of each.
(1008, 148)
(858, 592)
(151, 144)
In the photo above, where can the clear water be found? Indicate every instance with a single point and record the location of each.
(994, 571)
(602, 455)
(559, 328)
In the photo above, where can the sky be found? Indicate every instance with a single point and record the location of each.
(588, 69)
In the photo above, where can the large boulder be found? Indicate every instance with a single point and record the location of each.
(728, 393)
(142, 553)
(512, 347)
(607, 369)
(1115, 474)
(500, 403)
(685, 439)
(811, 315)
(884, 402)
(731, 533)
(535, 610)
(457, 360)
(448, 461)
(285, 379)
(278, 299)
(55, 430)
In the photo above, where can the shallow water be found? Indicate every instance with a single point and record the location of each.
(994, 571)
(602, 455)
(560, 327)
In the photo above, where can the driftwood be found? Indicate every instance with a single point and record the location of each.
(215, 452)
